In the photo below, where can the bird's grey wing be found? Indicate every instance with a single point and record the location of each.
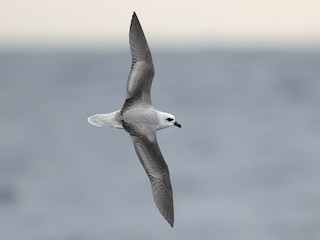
(142, 70)
(155, 166)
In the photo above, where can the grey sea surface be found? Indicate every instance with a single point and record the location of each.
(245, 164)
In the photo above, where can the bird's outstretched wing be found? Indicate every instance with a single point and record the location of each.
(142, 70)
(157, 170)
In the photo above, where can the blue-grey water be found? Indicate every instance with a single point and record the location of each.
(245, 164)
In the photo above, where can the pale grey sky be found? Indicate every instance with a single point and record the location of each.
(167, 23)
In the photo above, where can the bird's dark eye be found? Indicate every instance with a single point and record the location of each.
(169, 119)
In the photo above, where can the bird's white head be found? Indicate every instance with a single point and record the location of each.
(167, 120)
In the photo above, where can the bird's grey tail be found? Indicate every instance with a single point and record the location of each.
(106, 120)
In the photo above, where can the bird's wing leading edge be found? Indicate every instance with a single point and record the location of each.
(142, 70)
(157, 170)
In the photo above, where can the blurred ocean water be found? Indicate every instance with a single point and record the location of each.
(245, 164)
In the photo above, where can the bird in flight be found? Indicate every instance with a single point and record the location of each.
(141, 120)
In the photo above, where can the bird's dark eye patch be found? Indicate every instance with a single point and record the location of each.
(169, 119)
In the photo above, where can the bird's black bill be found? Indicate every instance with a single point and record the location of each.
(177, 124)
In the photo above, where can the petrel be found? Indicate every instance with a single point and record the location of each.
(141, 120)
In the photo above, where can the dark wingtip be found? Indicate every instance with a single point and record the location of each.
(135, 20)
(134, 15)
(170, 221)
